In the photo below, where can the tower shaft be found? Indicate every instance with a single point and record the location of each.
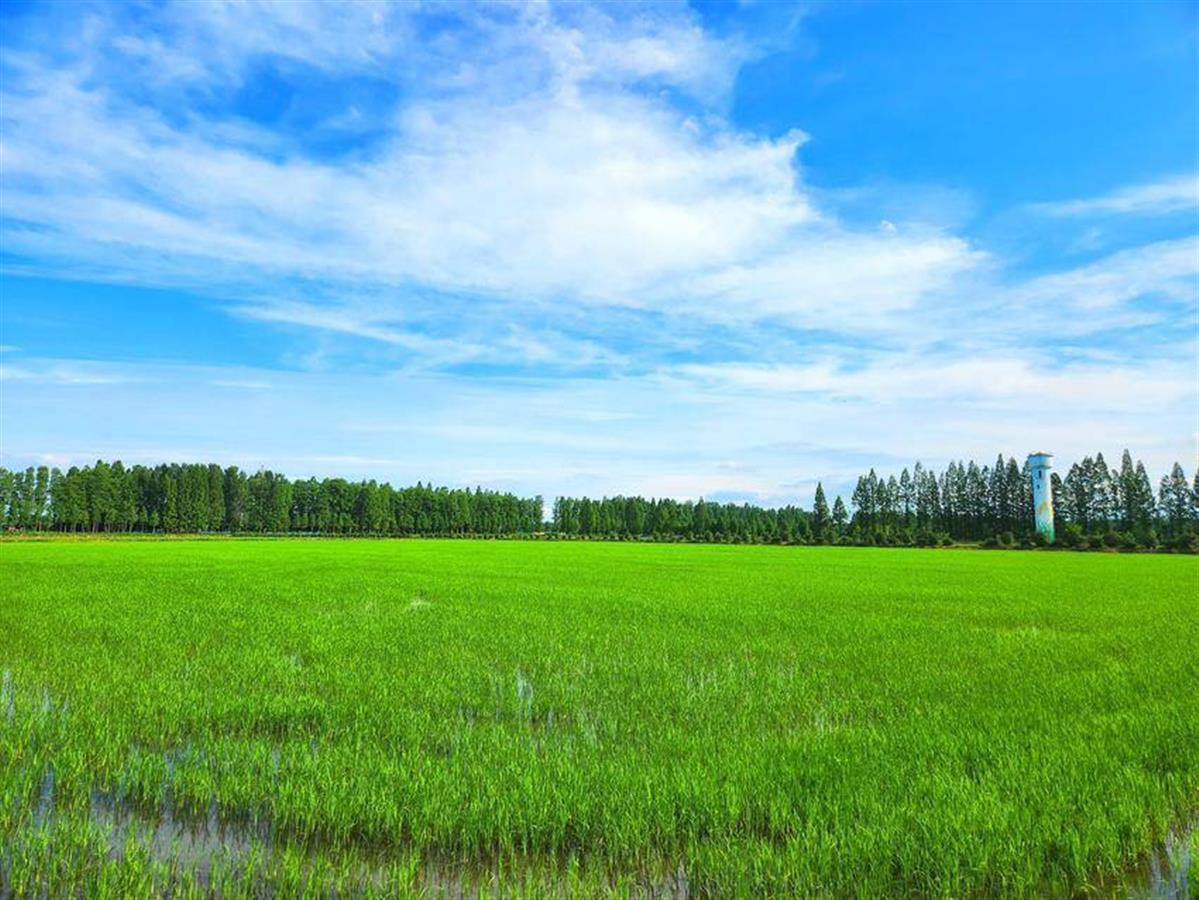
(1040, 469)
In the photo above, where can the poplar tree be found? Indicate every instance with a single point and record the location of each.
(216, 497)
(41, 498)
(820, 514)
(6, 497)
(907, 497)
(1146, 506)
(840, 515)
(1175, 497)
(1128, 489)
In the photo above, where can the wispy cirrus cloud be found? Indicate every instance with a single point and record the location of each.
(1163, 270)
(1174, 194)
(1008, 383)
(66, 372)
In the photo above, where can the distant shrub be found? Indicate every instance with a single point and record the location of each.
(1071, 536)
(925, 538)
(1184, 543)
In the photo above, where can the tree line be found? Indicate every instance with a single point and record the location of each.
(1096, 506)
(197, 498)
(700, 520)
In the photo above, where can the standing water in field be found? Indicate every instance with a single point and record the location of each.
(45, 799)
(212, 850)
(1168, 873)
(194, 844)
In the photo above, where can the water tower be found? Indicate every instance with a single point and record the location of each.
(1040, 465)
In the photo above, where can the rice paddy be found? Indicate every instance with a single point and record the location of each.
(407, 718)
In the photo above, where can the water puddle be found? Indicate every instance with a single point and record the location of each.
(197, 844)
(194, 843)
(200, 844)
(1169, 873)
(200, 841)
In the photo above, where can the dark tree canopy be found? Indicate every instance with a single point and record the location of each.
(192, 498)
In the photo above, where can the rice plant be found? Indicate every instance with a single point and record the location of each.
(423, 718)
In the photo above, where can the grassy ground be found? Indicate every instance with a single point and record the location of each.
(400, 716)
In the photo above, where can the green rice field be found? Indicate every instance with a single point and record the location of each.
(526, 718)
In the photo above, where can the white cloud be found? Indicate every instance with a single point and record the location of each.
(669, 433)
(853, 282)
(1108, 301)
(65, 373)
(1166, 268)
(1179, 192)
(1006, 383)
(359, 322)
(241, 384)
(576, 187)
(540, 200)
(213, 41)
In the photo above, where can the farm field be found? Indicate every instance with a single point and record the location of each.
(445, 717)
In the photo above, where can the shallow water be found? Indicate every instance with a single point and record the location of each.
(196, 844)
(1167, 874)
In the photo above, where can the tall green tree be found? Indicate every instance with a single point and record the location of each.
(1175, 498)
(821, 520)
(840, 516)
(7, 498)
(215, 490)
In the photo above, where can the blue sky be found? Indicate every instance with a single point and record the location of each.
(720, 249)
